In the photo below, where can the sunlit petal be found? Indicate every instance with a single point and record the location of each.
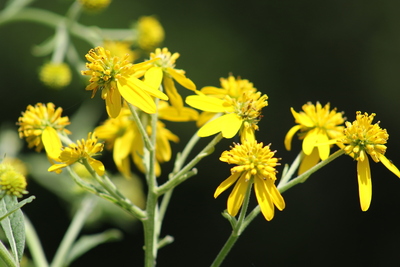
(226, 184)
(51, 142)
(364, 183)
(206, 103)
(289, 136)
(388, 164)
(235, 199)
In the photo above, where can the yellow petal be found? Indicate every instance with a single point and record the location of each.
(138, 98)
(364, 183)
(204, 117)
(309, 161)
(231, 125)
(235, 199)
(206, 103)
(113, 103)
(56, 167)
(51, 142)
(174, 97)
(134, 82)
(289, 136)
(122, 147)
(226, 184)
(310, 141)
(276, 196)
(97, 166)
(181, 79)
(153, 77)
(211, 90)
(388, 164)
(173, 114)
(247, 134)
(324, 150)
(264, 199)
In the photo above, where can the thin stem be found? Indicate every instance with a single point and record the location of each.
(236, 231)
(34, 245)
(141, 128)
(73, 231)
(181, 175)
(7, 257)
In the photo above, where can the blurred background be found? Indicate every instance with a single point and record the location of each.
(343, 52)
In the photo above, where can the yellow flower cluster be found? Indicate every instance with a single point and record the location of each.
(55, 75)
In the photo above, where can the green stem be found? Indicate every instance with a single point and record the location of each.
(7, 257)
(182, 175)
(34, 245)
(141, 128)
(73, 231)
(237, 230)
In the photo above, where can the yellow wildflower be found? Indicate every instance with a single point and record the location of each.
(256, 164)
(83, 149)
(55, 75)
(150, 33)
(118, 78)
(242, 113)
(40, 125)
(361, 137)
(120, 49)
(12, 182)
(316, 124)
(231, 86)
(165, 69)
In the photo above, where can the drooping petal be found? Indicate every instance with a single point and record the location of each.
(247, 134)
(289, 136)
(276, 196)
(138, 98)
(226, 184)
(134, 82)
(235, 199)
(122, 148)
(153, 77)
(204, 117)
(206, 103)
(57, 167)
(174, 97)
(173, 114)
(113, 103)
(181, 79)
(264, 199)
(309, 161)
(302, 118)
(388, 164)
(97, 166)
(231, 125)
(364, 183)
(51, 142)
(324, 150)
(310, 141)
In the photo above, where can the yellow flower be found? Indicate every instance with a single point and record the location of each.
(256, 164)
(120, 49)
(316, 124)
(12, 182)
(165, 69)
(94, 5)
(150, 33)
(118, 78)
(231, 86)
(361, 138)
(83, 149)
(242, 113)
(55, 75)
(40, 125)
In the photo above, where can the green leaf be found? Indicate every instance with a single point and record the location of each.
(12, 222)
(86, 243)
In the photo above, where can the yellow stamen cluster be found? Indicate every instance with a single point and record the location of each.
(253, 159)
(167, 60)
(82, 149)
(362, 136)
(12, 182)
(55, 75)
(36, 118)
(248, 107)
(104, 69)
(150, 33)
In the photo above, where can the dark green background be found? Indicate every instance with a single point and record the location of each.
(343, 52)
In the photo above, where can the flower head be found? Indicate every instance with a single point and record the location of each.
(164, 69)
(55, 75)
(120, 49)
(242, 113)
(361, 137)
(82, 150)
(40, 125)
(150, 33)
(316, 124)
(117, 77)
(12, 182)
(255, 164)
